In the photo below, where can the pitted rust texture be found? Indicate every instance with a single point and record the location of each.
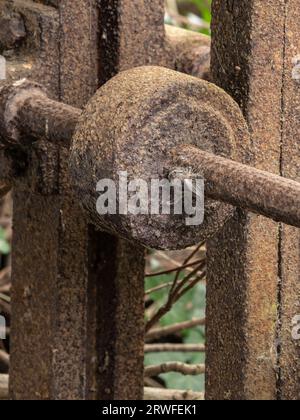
(12, 164)
(117, 270)
(50, 240)
(41, 24)
(247, 57)
(242, 186)
(37, 56)
(12, 29)
(289, 357)
(12, 99)
(41, 117)
(190, 50)
(79, 50)
(132, 124)
(132, 34)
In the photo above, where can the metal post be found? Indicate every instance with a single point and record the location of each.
(242, 349)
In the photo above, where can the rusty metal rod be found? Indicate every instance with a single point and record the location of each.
(243, 186)
(27, 113)
(41, 117)
(228, 181)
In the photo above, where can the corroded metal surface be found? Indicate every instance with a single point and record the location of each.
(289, 349)
(242, 186)
(132, 34)
(12, 29)
(49, 330)
(191, 51)
(156, 101)
(247, 61)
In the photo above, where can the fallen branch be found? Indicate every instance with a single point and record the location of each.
(152, 394)
(157, 333)
(182, 348)
(3, 387)
(177, 367)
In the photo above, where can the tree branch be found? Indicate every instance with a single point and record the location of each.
(182, 348)
(177, 367)
(157, 333)
(158, 394)
(174, 295)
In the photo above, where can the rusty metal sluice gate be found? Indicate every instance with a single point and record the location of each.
(79, 292)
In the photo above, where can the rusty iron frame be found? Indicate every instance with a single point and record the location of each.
(253, 285)
(73, 285)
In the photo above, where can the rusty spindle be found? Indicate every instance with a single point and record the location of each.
(243, 186)
(228, 181)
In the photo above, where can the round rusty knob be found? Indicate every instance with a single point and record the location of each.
(132, 124)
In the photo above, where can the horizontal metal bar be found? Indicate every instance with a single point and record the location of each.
(243, 186)
(231, 182)
(27, 113)
(41, 117)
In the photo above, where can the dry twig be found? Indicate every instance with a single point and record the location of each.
(158, 394)
(177, 367)
(176, 269)
(157, 333)
(182, 348)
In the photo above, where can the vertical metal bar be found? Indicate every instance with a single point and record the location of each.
(50, 252)
(131, 34)
(242, 295)
(289, 343)
(78, 82)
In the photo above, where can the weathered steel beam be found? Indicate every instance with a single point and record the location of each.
(49, 298)
(248, 44)
(136, 31)
(289, 263)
